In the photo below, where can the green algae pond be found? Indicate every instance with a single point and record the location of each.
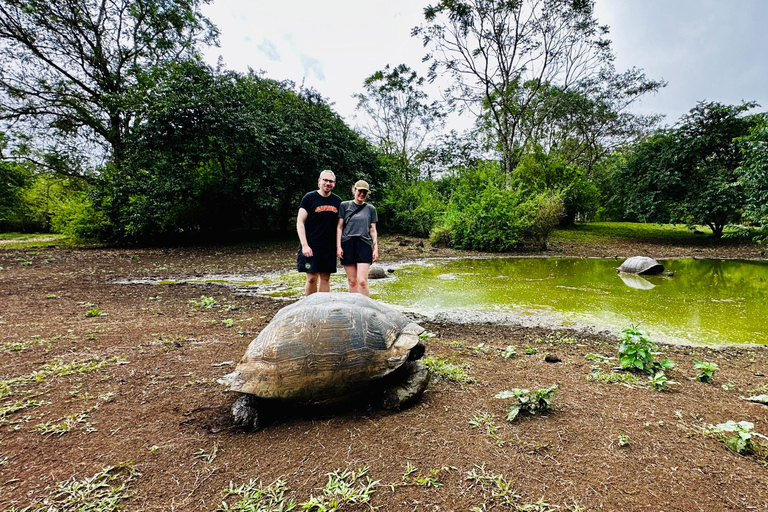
(706, 302)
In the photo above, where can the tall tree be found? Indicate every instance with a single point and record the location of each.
(689, 173)
(501, 54)
(72, 70)
(222, 151)
(400, 115)
(754, 174)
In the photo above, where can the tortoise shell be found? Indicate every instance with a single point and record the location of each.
(324, 346)
(641, 265)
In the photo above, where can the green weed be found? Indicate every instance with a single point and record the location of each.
(255, 498)
(444, 369)
(228, 322)
(597, 375)
(597, 358)
(204, 302)
(556, 338)
(529, 350)
(102, 492)
(64, 425)
(623, 440)
(509, 352)
(94, 312)
(206, 455)
(660, 382)
(636, 352)
(739, 437)
(539, 400)
(706, 370)
(343, 487)
(503, 492)
(485, 420)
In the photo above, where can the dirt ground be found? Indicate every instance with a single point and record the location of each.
(134, 387)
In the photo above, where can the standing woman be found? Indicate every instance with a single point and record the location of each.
(357, 243)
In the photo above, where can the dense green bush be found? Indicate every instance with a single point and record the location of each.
(485, 215)
(76, 217)
(410, 208)
(13, 180)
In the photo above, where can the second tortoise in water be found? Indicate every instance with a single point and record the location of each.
(326, 347)
(641, 265)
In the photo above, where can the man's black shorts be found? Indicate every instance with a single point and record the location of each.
(320, 262)
(356, 251)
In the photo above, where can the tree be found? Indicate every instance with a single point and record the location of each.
(222, 151)
(401, 117)
(502, 54)
(73, 70)
(688, 173)
(753, 173)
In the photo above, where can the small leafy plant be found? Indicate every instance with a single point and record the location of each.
(539, 400)
(706, 370)
(636, 352)
(623, 440)
(737, 436)
(509, 352)
(660, 382)
(204, 302)
(529, 350)
(93, 312)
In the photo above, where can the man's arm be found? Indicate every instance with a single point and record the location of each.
(301, 218)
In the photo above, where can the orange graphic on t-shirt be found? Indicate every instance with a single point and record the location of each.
(326, 208)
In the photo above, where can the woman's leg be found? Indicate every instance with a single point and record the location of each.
(351, 271)
(362, 278)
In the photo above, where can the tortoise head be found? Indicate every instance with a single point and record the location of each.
(417, 351)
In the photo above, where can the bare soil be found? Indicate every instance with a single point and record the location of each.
(155, 402)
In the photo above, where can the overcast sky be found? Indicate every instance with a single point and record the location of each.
(712, 50)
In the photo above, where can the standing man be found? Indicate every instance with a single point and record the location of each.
(316, 226)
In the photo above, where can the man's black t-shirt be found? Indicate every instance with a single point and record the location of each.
(322, 219)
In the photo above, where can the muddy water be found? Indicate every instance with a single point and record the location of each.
(709, 302)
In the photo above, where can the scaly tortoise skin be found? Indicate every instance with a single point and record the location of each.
(327, 346)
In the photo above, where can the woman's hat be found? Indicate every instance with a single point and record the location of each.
(362, 185)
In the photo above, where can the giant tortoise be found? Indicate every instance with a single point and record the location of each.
(325, 348)
(641, 265)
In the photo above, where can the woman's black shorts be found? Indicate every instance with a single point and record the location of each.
(356, 250)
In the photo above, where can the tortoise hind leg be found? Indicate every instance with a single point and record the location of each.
(414, 377)
(245, 412)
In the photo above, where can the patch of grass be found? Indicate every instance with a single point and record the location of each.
(8, 409)
(485, 419)
(597, 358)
(57, 369)
(627, 231)
(502, 491)
(255, 498)
(448, 370)
(205, 455)
(102, 492)
(204, 302)
(343, 487)
(64, 425)
(28, 240)
(597, 375)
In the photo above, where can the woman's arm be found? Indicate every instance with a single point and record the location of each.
(375, 238)
(339, 228)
